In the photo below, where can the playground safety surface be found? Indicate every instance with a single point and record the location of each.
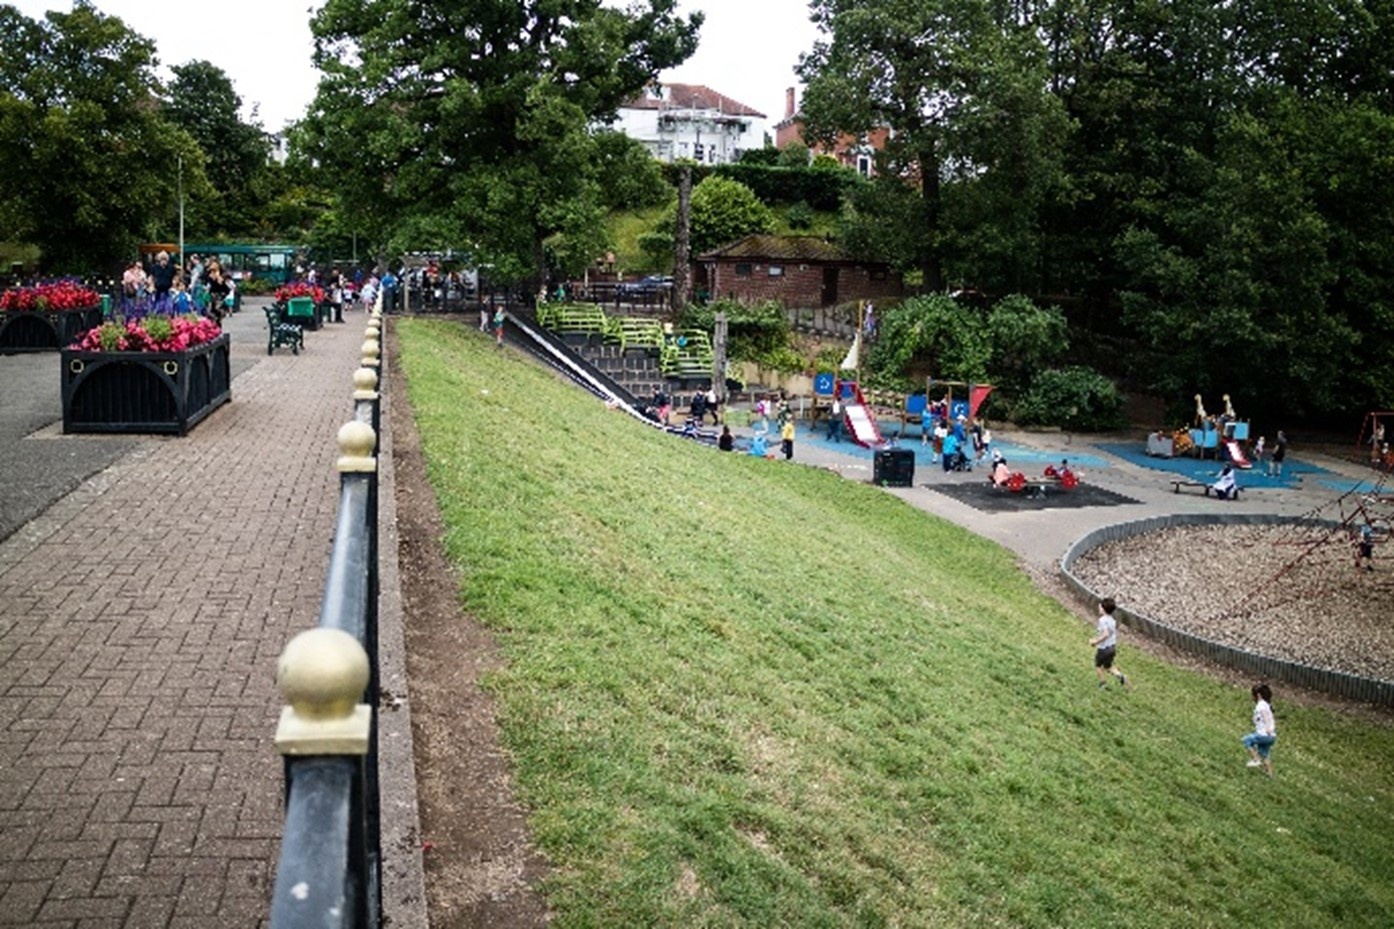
(1037, 496)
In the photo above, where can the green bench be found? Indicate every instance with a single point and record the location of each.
(634, 332)
(584, 318)
(687, 354)
(280, 332)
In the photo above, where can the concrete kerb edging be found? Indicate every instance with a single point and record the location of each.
(403, 870)
(1338, 683)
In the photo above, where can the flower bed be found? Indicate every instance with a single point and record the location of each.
(46, 317)
(160, 375)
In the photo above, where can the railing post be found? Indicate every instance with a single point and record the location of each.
(324, 733)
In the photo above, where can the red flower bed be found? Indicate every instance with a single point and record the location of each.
(151, 334)
(300, 289)
(60, 295)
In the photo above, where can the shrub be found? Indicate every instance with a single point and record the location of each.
(1076, 398)
(799, 216)
(657, 248)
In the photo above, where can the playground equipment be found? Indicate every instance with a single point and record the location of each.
(1372, 444)
(1062, 475)
(1207, 434)
(1322, 542)
(968, 406)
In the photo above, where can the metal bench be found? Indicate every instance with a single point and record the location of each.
(280, 332)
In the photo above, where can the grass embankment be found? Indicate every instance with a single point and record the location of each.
(748, 693)
(625, 227)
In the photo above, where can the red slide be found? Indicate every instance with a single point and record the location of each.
(1236, 455)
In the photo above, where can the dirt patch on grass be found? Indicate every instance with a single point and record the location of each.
(481, 866)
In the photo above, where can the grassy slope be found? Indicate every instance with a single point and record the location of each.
(625, 227)
(746, 693)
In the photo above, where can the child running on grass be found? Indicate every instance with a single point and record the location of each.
(1106, 645)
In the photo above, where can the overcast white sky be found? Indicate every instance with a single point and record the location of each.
(748, 48)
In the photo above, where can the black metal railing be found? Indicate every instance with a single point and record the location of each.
(329, 874)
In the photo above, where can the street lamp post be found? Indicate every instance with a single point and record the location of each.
(182, 258)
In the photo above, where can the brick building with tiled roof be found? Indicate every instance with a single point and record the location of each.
(691, 121)
(803, 271)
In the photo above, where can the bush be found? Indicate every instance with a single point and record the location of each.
(1075, 398)
(256, 286)
(657, 248)
(799, 216)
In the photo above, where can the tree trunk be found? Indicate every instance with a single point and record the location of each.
(930, 263)
(682, 241)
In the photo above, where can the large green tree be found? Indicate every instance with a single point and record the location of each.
(203, 102)
(466, 124)
(962, 86)
(88, 165)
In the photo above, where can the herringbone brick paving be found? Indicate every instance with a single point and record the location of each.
(141, 617)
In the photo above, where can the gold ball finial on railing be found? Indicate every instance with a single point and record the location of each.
(371, 353)
(322, 674)
(356, 443)
(373, 332)
(365, 384)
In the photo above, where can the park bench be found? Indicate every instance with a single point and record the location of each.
(585, 318)
(634, 332)
(1177, 484)
(280, 332)
(688, 354)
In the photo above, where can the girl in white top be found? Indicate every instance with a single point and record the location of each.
(1260, 741)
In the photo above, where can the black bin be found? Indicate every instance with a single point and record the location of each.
(893, 467)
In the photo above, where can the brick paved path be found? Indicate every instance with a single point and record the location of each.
(140, 621)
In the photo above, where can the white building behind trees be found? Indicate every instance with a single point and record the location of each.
(691, 121)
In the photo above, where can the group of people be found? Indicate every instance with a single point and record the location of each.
(952, 442)
(1259, 742)
(1273, 460)
(186, 289)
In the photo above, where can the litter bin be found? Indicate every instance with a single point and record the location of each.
(893, 467)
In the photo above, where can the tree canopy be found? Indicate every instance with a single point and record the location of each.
(1205, 184)
(88, 165)
(466, 125)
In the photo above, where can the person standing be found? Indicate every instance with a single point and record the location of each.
(1106, 645)
(1280, 452)
(1260, 741)
(1365, 548)
(498, 325)
(162, 275)
(786, 439)
(219, 286)
(835, 420)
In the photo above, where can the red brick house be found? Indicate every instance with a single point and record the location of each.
(855, 152)
(804, 271)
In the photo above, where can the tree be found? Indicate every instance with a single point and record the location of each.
(202, 101)
(630, 178)
(88, 166)
(723, 211)
(468, 122)
(952, 79)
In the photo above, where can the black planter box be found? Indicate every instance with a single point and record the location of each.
(44, 330)
(161, 392)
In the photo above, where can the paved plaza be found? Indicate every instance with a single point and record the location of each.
(147, 585)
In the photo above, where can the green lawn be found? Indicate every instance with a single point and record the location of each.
(748, 693)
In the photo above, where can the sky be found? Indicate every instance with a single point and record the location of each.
(748, 47)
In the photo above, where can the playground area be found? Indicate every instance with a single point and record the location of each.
(1315, 590)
